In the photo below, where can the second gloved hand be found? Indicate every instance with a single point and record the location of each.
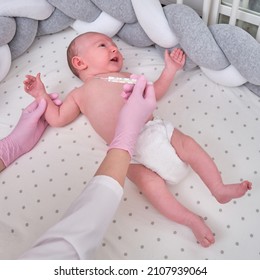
(135, 113)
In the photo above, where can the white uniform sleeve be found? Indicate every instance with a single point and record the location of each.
(82, 228)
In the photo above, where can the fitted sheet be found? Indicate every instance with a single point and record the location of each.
(37, 188)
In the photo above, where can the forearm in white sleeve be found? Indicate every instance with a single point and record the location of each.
(82, 228)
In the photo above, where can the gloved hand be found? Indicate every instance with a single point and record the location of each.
(27, 132)
(139, 106)
(55, 98)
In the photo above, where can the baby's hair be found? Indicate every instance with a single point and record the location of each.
(73, 51)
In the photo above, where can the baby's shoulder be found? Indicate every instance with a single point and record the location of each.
(77, 90)
(90, 88)
(77, 93)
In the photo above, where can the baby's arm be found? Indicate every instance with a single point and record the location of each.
(54, 115)
(174, 61)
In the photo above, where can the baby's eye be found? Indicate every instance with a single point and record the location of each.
(102, 45)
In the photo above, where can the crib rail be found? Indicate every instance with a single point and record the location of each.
(205, 9)
(211, 10)
(235, 13)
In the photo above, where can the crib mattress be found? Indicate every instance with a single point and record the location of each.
(37, 189)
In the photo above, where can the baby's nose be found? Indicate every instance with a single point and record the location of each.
(114, 49)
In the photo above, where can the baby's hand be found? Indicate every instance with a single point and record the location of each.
(34, 86)
(175, 60)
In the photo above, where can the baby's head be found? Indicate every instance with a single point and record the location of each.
(93, 53)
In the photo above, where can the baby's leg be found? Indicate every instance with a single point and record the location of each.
(156, 191)
(190, 152)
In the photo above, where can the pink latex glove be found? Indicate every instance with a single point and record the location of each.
(27, 132)
(135, 113)
(55, 98)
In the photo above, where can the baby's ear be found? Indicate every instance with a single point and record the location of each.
(78, 63)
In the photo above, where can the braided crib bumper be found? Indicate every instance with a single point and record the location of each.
(227, 54)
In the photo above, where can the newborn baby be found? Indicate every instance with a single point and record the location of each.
(163, 153)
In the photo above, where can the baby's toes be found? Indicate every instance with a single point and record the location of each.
(207, 241)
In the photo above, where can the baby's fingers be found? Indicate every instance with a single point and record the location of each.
(177, 54)
(30, 78)
(183, 59)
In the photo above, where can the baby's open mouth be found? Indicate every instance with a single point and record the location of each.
(115, 59)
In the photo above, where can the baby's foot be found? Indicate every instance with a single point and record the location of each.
(231, 191)
(202, 232)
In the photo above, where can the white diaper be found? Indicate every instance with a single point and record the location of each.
(154, 151)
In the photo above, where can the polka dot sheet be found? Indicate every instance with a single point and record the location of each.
(37, 189)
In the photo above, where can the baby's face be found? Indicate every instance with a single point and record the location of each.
(100, 53)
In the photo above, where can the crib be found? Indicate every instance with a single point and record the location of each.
(36, 189)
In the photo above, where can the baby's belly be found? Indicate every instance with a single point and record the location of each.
(102, 106)
(104, 116)
(105, 126)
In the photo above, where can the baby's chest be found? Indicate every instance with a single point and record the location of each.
(104, 101)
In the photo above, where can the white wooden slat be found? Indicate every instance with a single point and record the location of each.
(241, 15)
(258, 34)
(214, 12)
(234, 10)
(206, 10)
